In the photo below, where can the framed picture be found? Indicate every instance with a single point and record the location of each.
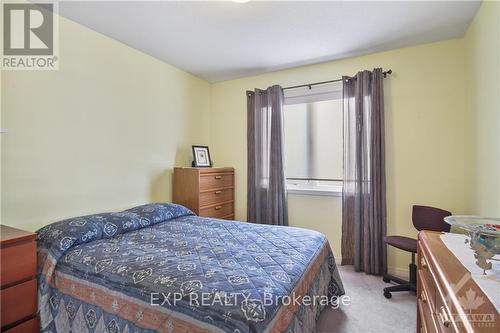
(201, 156)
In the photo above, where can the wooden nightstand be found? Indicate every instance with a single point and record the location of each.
(18, 293)
(207, 192)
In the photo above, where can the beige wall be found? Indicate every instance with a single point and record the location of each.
(321, 213)
(425, 113)
(101, 133)
(482, 45)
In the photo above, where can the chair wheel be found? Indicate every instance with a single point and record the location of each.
(387, 294)
(386, 279)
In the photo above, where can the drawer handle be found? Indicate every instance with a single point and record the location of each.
(423, 263)
(218, 177)
(443, 317)
(423, 297)
(218, 192)
(218, 207)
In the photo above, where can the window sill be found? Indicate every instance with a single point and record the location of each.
(333, 191)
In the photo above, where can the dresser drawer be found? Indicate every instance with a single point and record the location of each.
(216, 181)
(427, 289)
(444, 320)
(218, 211)
(446, 314)
(29, 326)
(18, 302)
(18, 262)
(216, 196)
(427, 324)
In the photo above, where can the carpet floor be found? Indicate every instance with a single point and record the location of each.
(369, 311)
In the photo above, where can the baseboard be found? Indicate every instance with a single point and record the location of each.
(402, 273)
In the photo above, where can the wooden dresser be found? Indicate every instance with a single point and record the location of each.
(18, 281)
(448, 298)
(207, 192)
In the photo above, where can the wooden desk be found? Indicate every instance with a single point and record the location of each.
(448, 298)
(18, 281)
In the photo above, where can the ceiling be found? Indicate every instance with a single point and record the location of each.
(219, 41)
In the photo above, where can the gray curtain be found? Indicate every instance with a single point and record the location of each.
(267, 198)
(363, 198)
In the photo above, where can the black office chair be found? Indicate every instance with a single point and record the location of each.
(424, 218)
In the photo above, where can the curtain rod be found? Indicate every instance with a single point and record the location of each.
(389, 72)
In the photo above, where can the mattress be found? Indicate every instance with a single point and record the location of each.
(159, 268)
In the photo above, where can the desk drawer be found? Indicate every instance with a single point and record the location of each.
(215, 181)
(18, 263)
(218, 211)
(29, 326)
(216, 196)
(18, 302)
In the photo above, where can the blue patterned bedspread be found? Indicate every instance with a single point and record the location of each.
(159, 268)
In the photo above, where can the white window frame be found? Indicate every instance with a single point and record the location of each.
(313, 187)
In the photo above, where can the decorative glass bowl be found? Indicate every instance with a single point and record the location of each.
(484, 237)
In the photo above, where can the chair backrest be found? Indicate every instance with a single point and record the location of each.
(430, 218)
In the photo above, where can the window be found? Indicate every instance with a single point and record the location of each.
(314, 140)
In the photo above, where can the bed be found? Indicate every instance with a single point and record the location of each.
(160, 268)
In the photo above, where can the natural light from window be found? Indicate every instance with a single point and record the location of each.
(314, 141)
